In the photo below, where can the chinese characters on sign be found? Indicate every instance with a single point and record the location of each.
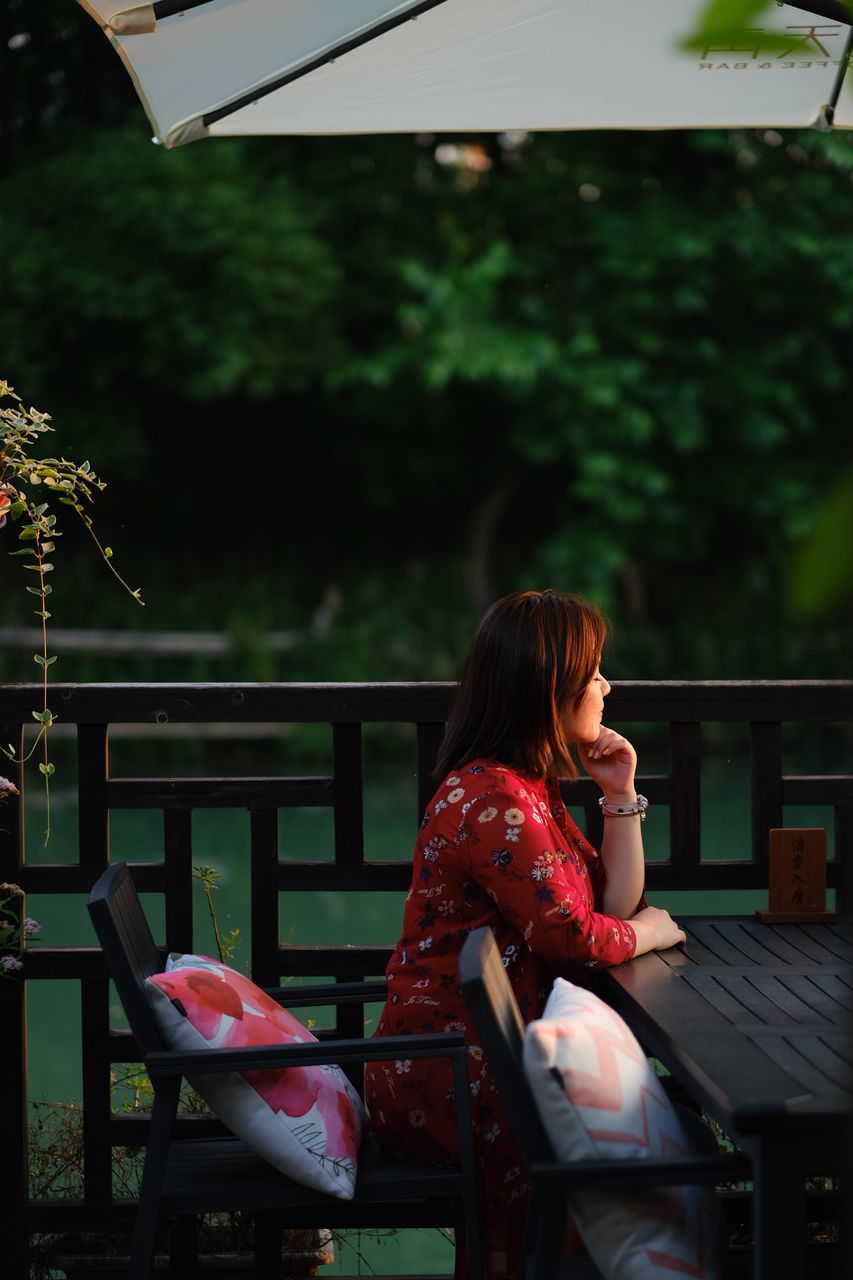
(797, 876)
(810, 46)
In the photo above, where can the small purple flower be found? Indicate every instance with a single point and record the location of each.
(8, 788)
(10, 964)
(31, 926)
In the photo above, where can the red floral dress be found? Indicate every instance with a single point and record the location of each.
(495, 848)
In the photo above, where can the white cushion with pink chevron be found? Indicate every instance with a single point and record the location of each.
(598, 1098)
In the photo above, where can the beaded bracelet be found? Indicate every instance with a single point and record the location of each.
(624, 811)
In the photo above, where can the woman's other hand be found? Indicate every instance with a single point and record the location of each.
(656, 930)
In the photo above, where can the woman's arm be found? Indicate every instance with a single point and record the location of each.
(622, 855)
(611, 761)
(533, 874)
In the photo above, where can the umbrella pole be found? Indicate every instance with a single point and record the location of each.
(826, 115)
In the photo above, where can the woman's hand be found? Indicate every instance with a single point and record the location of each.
(656, 930)
(611, 761)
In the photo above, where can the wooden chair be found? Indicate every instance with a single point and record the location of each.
(189, 1176)
(495, 1011)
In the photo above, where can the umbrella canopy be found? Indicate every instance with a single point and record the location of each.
(213, 67)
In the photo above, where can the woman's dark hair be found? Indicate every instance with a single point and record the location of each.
(532, 653)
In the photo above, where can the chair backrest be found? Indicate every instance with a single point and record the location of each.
(129, 949)
(495, 1011)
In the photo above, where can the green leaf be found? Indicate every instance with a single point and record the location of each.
(47, 769)
(822, 567)
(729, 25)
(34, 591)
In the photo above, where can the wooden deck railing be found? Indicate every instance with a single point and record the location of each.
(681, 708)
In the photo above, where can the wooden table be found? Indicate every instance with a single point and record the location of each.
(755, 1021)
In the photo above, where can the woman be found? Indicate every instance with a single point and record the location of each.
(498, 848)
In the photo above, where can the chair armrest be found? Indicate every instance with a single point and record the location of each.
(656, 1171)
(170, 1062)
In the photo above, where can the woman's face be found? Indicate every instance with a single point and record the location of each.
(583, 722)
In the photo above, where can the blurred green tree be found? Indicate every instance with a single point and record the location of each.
(406, 374)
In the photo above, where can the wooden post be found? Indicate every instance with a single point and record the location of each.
(797, 879)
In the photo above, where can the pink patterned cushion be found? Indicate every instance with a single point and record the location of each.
(306, 1121)
(598, 1098)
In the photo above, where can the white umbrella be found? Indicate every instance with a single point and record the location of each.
(215, 67)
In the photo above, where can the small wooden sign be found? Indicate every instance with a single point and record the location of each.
(797, 877)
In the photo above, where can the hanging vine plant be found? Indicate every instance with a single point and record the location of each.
(30, 487)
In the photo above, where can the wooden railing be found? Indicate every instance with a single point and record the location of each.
(681, 708)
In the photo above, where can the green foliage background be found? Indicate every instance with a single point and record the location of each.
(358, 387)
